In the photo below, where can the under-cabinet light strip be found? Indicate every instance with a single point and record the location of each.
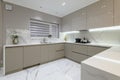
(105, 29)
(70, 32)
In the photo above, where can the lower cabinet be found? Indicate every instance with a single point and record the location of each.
(93, 50)
(51, 52)
(60, 53)
(13, 59)
(17, 58)
(31, 55)
(47, 53)
(78, 57)
(68, 51)
(78, 52)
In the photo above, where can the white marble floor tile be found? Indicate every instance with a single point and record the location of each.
(62, 69)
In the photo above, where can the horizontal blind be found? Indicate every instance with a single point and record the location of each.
(42, 29)
(55, 30)
(39, 29)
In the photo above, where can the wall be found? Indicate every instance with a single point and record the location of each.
(19, 19)
(103, 37)
(0, 30)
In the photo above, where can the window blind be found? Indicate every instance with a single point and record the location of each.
(42, 29)
(54, 30)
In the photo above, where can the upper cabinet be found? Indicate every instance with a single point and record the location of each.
(116, 12)
(97, 15)
(79, 20)
(66, 23)
(75, 21)
(100, 14)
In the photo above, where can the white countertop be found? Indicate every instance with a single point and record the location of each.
(108, 61)
(95, 44)
(31, 44)
(88, 44)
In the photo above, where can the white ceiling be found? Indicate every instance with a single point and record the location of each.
(53, 7)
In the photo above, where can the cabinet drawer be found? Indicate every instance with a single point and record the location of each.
(78, 57)
(79, 49)
(59, 54)
(59, 47)
(93, 50)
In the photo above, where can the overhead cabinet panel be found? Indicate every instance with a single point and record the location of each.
(100, 14)
(116, 12)
(79, 20)
(67, 23)
(75, 21)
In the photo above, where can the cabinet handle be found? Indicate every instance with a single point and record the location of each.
(59, 50)
(81, 53)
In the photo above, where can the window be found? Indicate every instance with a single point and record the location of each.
(43, 29)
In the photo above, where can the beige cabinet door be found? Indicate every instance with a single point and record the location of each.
(79, 20)
(116, 12)
(74, 21)
(67, 23)
(68, 50)
(93, 50)
(59, 51)
(51, 52)
(47, 53)
(31, 55)
(13, 59)
(100, 14)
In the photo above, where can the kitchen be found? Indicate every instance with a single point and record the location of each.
(82, 38)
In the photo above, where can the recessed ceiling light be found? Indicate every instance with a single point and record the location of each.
(64, 3)
(41, 7)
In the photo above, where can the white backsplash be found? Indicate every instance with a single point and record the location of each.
(24, 37)
(107, 37)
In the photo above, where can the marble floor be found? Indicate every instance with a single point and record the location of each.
(62, 69)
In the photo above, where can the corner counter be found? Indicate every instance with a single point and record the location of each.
(103, 66)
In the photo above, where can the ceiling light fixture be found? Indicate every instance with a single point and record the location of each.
(40, 6)
(64, 3)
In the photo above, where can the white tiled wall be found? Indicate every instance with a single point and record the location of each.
(24, 37)
(107, 37)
